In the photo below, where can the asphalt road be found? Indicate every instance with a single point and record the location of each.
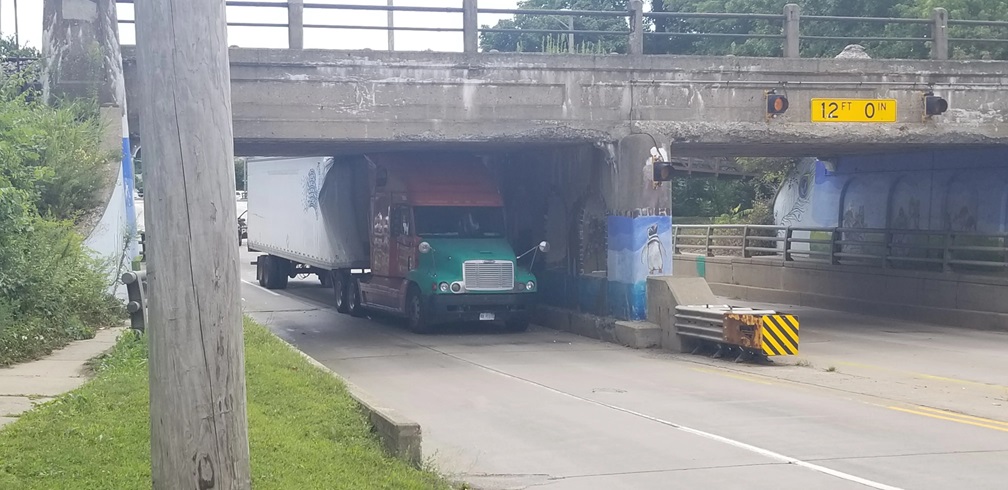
(871, 404)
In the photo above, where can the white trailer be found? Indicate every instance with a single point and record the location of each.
(308, 215)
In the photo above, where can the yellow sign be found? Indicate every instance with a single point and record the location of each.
(854, 110)
(780, 335)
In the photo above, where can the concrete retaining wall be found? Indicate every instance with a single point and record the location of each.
(943, 298)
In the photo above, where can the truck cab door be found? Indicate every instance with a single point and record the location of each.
(402, 258)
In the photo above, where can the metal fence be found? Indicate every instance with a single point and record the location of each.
(785, 29)
(943, 251)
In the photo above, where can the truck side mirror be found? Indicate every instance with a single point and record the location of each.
(544, 246)
(425, 248)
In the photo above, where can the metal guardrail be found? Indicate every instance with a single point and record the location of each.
(640, 24)
(753, 334)
(945, 251)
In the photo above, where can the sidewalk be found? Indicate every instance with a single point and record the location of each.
(24, 385)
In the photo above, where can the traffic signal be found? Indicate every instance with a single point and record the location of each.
(776, 104)
(662, 171)
(934, 105)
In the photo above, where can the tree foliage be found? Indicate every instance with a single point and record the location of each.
(540, 42)
(52, 290)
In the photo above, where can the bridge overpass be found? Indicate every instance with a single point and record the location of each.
(317, 101)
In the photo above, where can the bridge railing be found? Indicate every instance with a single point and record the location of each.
(940, 251)
(930, 37)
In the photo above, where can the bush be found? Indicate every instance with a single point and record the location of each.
(52, 169)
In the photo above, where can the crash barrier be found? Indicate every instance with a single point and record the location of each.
(752, 333)
(137, 306)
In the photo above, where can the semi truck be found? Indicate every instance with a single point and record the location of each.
(420, 237)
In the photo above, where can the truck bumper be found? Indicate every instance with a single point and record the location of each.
(445, 308)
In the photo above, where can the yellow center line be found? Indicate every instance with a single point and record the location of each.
(922, 375)
(956, 418)
(963, 416)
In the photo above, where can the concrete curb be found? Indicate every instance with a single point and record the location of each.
(400, 436)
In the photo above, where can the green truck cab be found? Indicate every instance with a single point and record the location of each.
(438, 248)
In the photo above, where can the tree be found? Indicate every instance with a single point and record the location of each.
(996, 10)
(240, 177)
(539, 42)
(810, 48)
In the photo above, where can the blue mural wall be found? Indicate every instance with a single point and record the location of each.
(638, 248)
(958, 190)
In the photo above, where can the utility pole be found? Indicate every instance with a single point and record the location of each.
(199, 427)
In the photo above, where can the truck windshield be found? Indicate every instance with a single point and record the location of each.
(458, 221)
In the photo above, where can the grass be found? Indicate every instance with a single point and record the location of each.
(305, 431)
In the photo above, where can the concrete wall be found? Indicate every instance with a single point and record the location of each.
(316, 102)
(945, 298)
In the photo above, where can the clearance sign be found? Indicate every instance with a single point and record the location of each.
(854, 110)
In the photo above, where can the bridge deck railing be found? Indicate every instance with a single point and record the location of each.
(939, 251)
(932, 34)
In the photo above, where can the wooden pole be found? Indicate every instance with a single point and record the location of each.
(199, 428)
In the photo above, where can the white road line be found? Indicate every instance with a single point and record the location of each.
(706, 435)
(259, 287)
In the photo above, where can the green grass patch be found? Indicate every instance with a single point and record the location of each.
(305, 431)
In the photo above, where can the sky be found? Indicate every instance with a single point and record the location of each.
(30, 25)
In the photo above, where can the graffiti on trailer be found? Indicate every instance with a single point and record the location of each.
(311, 189)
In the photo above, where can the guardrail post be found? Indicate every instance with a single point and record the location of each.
(939, 34)
(295, 24)
(833, 247)
(470, 26)
(675, 242)
(745, 242)
(636, 27)
(137, 304)
(788, 234)
(707, 250)
(947, 252)
(792, 31)
(889, 237)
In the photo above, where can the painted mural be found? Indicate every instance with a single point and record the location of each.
(638, 248)
(961, 190)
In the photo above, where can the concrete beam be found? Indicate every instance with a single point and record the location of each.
(291, 100)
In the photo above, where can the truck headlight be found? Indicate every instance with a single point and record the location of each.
(456, 287)
(443, 287)
(530, 285)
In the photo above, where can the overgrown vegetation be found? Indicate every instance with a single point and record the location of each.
(51, 172)
(304, 429)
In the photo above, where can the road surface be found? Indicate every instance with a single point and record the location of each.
(870, 404)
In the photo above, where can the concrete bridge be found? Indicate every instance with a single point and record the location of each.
(313, 101)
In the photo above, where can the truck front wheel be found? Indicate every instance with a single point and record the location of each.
(354, 297)
(339, 281)
(416, 313)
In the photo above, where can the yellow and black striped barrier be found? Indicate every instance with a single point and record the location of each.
(751, 332)
(779, 335)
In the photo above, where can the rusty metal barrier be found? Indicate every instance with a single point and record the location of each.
(753, 333)
(135, 282)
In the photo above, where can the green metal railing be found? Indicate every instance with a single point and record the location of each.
(944, 251)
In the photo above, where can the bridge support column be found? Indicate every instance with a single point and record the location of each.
(636, 27)
(939, 34)
(83, 61)
(295, 24)
(470, 26)
(792, 31)
(639, 226)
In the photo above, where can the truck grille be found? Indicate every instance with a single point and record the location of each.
(488, 275)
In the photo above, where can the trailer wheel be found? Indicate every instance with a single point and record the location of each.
(354, 297)
(262, 264)
(340, 281)
(274, 272)
(416, 313)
